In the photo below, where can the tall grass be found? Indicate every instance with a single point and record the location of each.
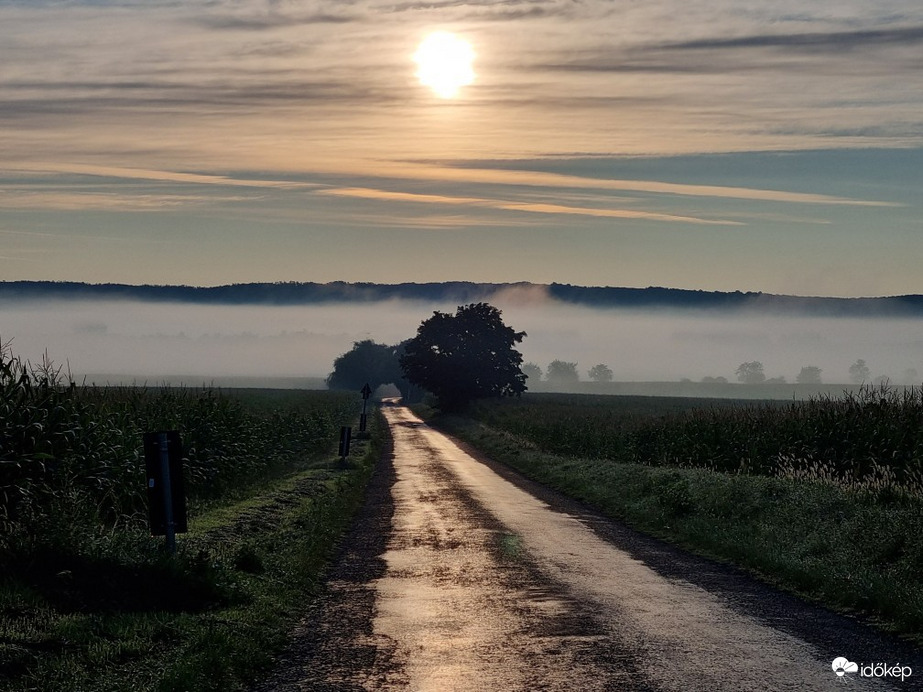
(871, 439)
(71, 461)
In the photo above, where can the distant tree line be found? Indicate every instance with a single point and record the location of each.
(455, 357)
(471, 354)
(304, 293)
(561, 372)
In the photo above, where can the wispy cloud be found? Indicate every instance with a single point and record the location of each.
(272, 20)
(753, 52)
(832, 41)
(161, 176)
(498, 8)
(107, 201)
(529, 207)
(556, 180)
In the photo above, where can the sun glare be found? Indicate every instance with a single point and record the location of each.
(444, 63)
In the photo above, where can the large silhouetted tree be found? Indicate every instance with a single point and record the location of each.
(465, 356)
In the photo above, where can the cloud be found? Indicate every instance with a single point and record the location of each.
(270, 21)
(503, 7)
(237, 95)
(437, 222)
(833, 41)
(753, 53)
(156, 175)
(529, 207)
(17, 199)
(533, 178)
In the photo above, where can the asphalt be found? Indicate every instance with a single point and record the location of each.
(461, 575)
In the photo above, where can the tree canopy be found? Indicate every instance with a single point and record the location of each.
(859, 372)
(532, 372)
(372, 363)
(810, 374)
(751, 372)
(465, 356)
(600, 373)
(562, 372)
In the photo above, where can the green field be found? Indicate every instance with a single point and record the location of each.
(823, 498)
(779, 391)
(871, 439)
(90, 601)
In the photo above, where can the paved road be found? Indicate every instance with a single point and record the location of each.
(462, 576)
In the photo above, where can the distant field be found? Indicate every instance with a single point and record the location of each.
(223, 381)
(708, 390)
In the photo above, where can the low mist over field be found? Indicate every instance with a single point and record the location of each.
(155, 340)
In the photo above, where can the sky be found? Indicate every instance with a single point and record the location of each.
(717, 145)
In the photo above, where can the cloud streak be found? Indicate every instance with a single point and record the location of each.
(273, 20)
(556, 180)
(833, 41)
(529, 207)
(103, 201)
(159, 176)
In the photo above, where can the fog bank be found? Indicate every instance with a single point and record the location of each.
(153, 340)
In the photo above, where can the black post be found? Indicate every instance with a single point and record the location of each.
(366, 393)
(345, 435)
(163, 458)
(164, 443)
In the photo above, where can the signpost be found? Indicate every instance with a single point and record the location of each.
(163, 459)
(366, 393)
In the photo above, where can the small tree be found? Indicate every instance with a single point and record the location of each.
(600, 373)
(810, 374)
(369, 362)
(562, 372)
(751, 373)
(532, 372)
(859, 372)
(465, 356)
(714, 380)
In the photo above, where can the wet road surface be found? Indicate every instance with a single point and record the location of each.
(461, 576)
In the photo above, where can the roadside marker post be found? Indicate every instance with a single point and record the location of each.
(163, 459)
(366, 392)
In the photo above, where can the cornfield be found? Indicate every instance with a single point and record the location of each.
(871, 439)
(67, 449)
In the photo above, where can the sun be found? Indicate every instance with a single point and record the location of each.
(444, 63)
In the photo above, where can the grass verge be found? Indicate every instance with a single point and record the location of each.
(211, 618)
(852, 551)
